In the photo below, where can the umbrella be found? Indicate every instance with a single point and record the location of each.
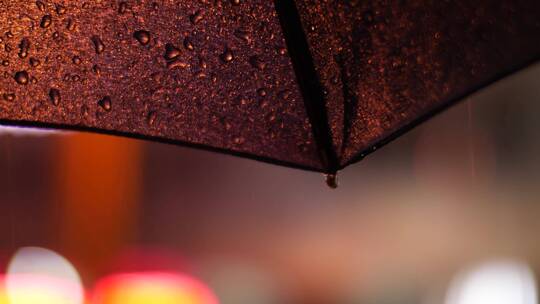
(315, 85)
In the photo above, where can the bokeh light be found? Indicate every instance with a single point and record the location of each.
(22, 131)
(498, 282)
(37, 275)
(152, 288)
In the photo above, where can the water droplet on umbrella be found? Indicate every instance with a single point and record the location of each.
(282, 51)
(188, 44)
(171, 52)
(331, 180)
(9, 96)
(122, 7)
(243, 35)
(54, 95)
(99, 46)
(262, 92)
(34, 62)
(239, 140)
(235, 2)
(257, 63)
(46, 21)
(227, 56)
(177, 64)
(142, 36)
(40, 5)
(60, 9)
(76, 60)
(24, 48)
(5, 62)
(196, 17)
(70, 25)
(151, 118)
(105, 103)
(96, 69)
(22, 77)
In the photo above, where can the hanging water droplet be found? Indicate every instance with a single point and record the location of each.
(99, 46)
(331, 180)
(22, 77)
(54, 95)
(171, 52)
(105, 103)
(46, 21)
(142, 36)
(227, 56)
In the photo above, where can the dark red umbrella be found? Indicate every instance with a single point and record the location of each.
(310, 84)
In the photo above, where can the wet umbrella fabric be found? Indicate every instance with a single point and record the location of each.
(308, 84)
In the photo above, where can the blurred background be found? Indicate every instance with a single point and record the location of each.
(448, 213)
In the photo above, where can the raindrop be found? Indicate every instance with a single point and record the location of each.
(239, 140)
(76, 60)
(262, 92)
(22, 77)
(282, 51)
(171, 52)
(70, 25)
(98, 44)
(34, 62)
(242, 35)
(177, 64)
(40, 5)
(257, 63)
(46, 21)
(54, 95)
(105, 103)
(96, 69)
(142, 36)
(331, 180)
(9, 96)
(151, 118)
(60, 9)
(188, 44)
(24, 48)
(235, 2)
(196, 18)
(122, 7)
(5, 62)
(227, 56)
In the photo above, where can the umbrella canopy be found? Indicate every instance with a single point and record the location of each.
(308, 84)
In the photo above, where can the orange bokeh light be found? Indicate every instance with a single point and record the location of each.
(152, 288)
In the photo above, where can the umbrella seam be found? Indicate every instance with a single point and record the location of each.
(308, 81)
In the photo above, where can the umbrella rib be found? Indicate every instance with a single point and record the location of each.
(308, 81)
(377, 144)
